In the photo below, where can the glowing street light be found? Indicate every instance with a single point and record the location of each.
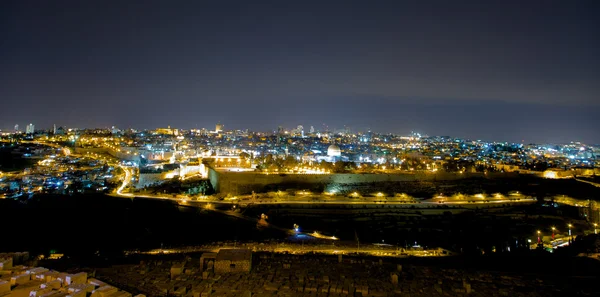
(595, 228)
(539, 236)
(570, 229)
(553, 228)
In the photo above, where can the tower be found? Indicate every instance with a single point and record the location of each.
(30, 128)
(16, 127)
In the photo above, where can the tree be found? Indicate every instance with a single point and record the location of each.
(343, 167)
(290, 162)
(350, 166)
(339, 167)
(326, 165)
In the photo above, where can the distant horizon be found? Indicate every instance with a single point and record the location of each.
(289, 128)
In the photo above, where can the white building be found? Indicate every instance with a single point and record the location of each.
(30, 129)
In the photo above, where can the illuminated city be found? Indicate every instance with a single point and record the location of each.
(236, 173)
(323, 149)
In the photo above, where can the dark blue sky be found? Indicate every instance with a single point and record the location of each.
(495, 70)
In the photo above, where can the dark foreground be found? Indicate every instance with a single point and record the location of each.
(320, 275)
(94, 230)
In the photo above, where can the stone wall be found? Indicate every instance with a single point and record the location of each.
(232, 266)
(239, 183)
(147, 179)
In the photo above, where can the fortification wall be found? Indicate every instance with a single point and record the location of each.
(245, 182)
(147, 179)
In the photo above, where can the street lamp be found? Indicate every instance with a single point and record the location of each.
(553, 228)
(539, 235)
(595, 228)
(570, 229)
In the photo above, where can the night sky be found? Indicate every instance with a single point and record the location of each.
(495, 70)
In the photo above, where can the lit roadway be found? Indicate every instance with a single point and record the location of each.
(126, 181)
(319, 200)
(588, 182)
(297, 248)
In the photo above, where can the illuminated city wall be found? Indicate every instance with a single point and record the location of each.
(148, 179)
(244, 182)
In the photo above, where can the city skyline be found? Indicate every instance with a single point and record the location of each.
(493, 71)
(307, 132)
(318, 127)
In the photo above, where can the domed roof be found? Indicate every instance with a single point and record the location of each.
(334, 151)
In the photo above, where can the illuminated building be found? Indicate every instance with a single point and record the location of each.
(167, 131)
(30, 129)
(334, 151)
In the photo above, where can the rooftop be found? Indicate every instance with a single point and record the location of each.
(234, 254)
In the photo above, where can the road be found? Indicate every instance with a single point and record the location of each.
(126, 181)
(298, 201)
(588, 182)
(333, 248)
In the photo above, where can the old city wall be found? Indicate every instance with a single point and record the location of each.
(244, 182)
(147, 179)
(102, 150)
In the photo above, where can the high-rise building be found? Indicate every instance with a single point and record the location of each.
(312, 129)
(299, 131)
(54, 129)
(219, 128)
(17, 128)
(30, 129)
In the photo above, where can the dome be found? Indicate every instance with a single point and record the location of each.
(334, 151)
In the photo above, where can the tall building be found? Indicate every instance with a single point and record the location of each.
(312, 129)
(219, 128)
(17, 128)
(30, 129)
(299, 131)
(54, 129)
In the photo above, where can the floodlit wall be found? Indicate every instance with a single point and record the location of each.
(244, 182)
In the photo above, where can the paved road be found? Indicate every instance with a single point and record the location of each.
(588, 182)
(126, 181)
(298, 248)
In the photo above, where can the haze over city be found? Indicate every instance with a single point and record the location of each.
(506, 71)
